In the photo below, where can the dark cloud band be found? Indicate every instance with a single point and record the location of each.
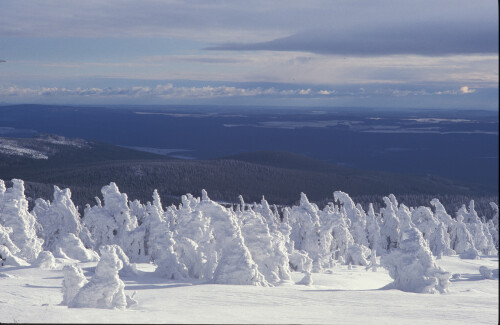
(420, 39)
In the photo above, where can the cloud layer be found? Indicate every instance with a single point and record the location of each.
(171, 91)
(316, 49)
(430, 39)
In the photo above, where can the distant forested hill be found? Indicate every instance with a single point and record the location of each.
(85, 166)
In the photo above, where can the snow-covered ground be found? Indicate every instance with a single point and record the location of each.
(339, 295)
(37, 148)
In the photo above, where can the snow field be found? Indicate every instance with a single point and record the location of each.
(343, 296)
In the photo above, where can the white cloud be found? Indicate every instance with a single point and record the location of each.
(160, 91)
(169, 90)
(462, 91)
(326, 92)
(466, 90)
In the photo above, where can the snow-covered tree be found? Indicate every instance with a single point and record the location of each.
(494, 206)
(7, 258)
(441, 215)
(305, 234)
(73, 281)
(373, 230)
(6, 241)
(343, 239)
(105, 289)
(411, 265)
(195, 240)
(461, 240)
(235, 264)
(61, 228)
(356, 215)
(14, 214)
(424, 220)
(267, 248)
(45, 260)
(112, 222)
(389, 230)
(373, 261)
(167, 261)
(483, 242)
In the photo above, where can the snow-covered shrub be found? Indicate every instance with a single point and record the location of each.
(373, 261)
(73, 281)
(300, 262)
(15, 215)
(488, 273)
(5, 239)
(105, 289)
(70, 246)
(357, 255)
(306, 280)
(470, 254)
(45, 260)
(7, 258)
(128, 269)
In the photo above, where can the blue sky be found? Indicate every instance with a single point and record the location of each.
(399, 53)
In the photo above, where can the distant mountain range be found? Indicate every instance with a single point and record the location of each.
(85, 166)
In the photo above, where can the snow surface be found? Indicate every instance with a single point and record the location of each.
(343, 296)
(37, 148)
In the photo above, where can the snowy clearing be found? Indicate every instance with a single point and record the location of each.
(356, 296)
